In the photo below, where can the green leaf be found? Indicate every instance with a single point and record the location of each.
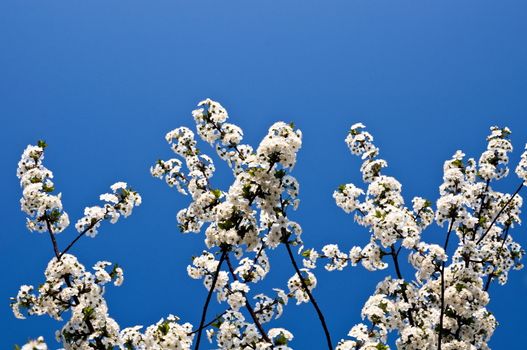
(216, 324)
(164, 328)
(113, 273)
(280, 340)
(88, 312)
(306, 253)
(42, 144)
(379, 214)
(458, 163)
(48, 189)
(246, 190)
(226, 225)
(383, 306)
(342, 188)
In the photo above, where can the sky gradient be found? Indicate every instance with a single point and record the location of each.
(103, 81)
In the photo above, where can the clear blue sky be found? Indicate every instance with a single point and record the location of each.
(103, 81)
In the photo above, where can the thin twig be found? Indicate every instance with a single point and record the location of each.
(52, 237)
(395, 257)
(480, 211)
(499, 213)
(247, 304)
(92, 225)
(490, 277)
(209, 295)
(440, 336)
(58, 255)
(215, 319)
(310, 295)
(82, 233)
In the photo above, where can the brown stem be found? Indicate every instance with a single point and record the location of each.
(83, 232)
(395, 257)
(52, 237)
(310, 295)
(256, 312)
(480, 211)
(58, 255)
(499, 213)
(209, 295)
(440, 336)
(491, 276)
(248, 305)
(208, 323)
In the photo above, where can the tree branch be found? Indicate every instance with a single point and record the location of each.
(209, 295)
(248, 305)
(58, 255)
(442, 302)
(395, 257)
(52, 237)
(499, 213)
(310, 295)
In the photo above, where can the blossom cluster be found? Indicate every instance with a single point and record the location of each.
(70, 292)
(445, 305)
(243, 221)
(442, 306)
(69, 287)
(121, 201)
(38, 201)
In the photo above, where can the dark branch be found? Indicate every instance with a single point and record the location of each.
(209, 295)
(440, 335)
(395, 257)
(310, 295)
(499, 213)
(248, 305)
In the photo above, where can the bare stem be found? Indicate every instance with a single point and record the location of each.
(208, 323)
(209, 295)
(490, 277)
(499, 213)
(58, 255)
(395, 257)
(82, 233)
(92, 225)
(248, 305)
(310, 295)
(440, 335)
(52, 237)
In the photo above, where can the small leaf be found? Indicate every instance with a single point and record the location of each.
(280, 340)
(307, 253)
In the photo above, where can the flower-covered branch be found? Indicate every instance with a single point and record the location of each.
(69, 289)
(444, 307)
(247, 219)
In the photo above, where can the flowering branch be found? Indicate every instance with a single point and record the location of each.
(305, 287)
(499, 213)
(207, 300)
(247, 304)
(443, 307)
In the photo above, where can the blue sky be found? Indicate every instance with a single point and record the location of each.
(103, 81)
